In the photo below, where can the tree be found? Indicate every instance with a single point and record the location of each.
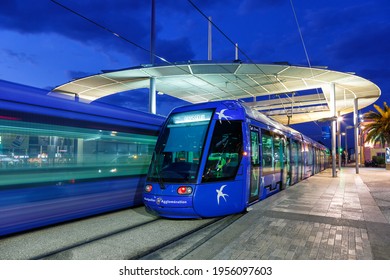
(377, 125)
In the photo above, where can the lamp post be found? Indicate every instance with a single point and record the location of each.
(339, 120)
(346, 147)
(363, 145)
(356, 131)
(361, 134)
(346, 142)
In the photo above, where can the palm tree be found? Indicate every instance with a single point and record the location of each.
(377, 125)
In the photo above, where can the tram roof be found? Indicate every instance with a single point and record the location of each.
(280, 91)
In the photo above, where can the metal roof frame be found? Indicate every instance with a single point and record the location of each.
(209, 81)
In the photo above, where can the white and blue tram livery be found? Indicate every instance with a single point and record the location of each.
(217, 158)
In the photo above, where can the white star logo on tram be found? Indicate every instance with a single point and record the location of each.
(221, 194)
(221, 115)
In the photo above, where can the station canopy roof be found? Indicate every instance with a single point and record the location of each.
(289, 94)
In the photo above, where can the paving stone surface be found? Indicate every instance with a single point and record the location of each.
(321, 218)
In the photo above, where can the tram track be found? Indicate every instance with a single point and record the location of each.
(50, 240)
(122, 235)
(63, 251)
(157, 239)
(184, 246)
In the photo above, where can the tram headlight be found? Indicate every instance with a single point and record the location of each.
(148, 188)
(184, 190)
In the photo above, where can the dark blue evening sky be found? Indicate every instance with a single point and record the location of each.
(44, 45)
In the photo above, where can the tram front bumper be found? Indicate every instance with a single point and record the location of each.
(170, 206)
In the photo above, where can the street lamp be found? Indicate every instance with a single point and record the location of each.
(339, 120)
(346, 143)
(346, 147)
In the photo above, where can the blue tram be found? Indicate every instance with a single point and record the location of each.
(61, 159)
(218, 158)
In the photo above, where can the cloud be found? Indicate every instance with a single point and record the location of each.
(369, 43)
(175, 50)
(130, 20)
(348, 36)
(344, 35)
(376, 74)
(135, 99)
(18, 57)
(139, 100)
(248, 6)
(167, 103)
(74, 74)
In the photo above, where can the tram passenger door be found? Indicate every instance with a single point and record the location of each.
(294, 162)
(255, 165)
(301, 161)
(286, 164)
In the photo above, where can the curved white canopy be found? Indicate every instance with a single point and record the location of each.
(273, 89)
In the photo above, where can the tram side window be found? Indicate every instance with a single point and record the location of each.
(304, 148)
(309, 155)
(318, 159)
(255, 155)
(278, 152)
(323, 159)
(295, 153)
(225, 152)
(268, 153)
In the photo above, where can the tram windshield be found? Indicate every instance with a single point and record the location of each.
(179, 149)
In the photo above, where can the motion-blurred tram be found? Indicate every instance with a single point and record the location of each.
(61, 159)
(218, 158)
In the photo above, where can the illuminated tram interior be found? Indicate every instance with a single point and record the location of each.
(39, 153)
(61, 159)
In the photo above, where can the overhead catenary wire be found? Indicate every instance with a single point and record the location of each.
(131, 42)
(231, 41)
(108, 30)
(303, 42)
(304, 48)
(243, 53)
(143, 48)
(160, 57)
(300, 33)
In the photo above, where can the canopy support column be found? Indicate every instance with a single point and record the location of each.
(152, 95)
(210, 40)
(356, 133)
(152, 87)
(334, 119)
(339, 137)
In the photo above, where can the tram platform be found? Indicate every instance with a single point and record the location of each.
(321, 218)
